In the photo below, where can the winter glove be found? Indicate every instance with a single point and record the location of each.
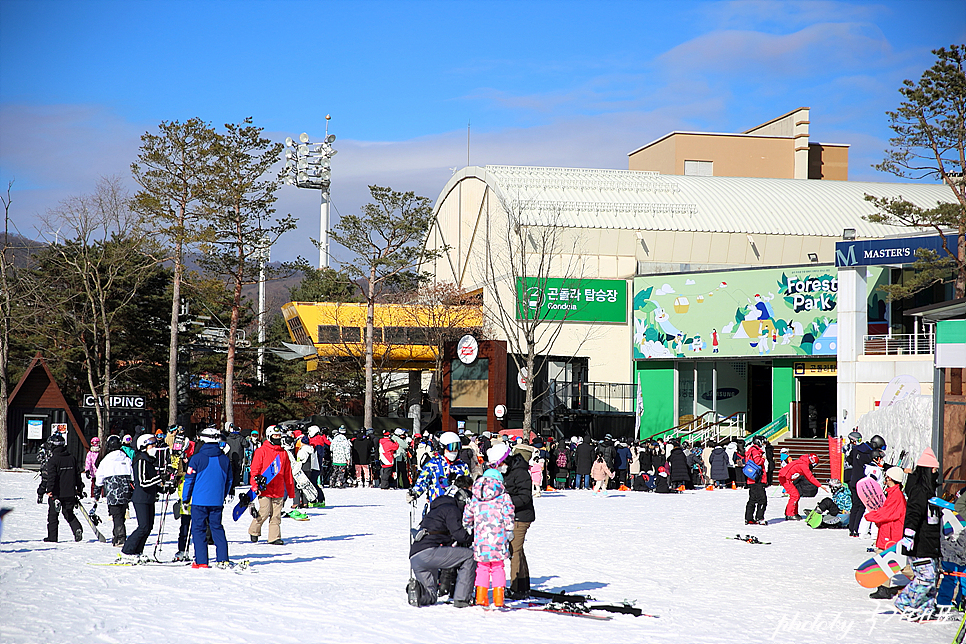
(905, 544)
(509, 536)
(82, 494)
(261, 482)
(410, 497)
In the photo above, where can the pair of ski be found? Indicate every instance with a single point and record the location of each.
(749, 538)
(574, 606)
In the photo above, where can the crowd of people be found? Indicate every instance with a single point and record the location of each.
(479, 492)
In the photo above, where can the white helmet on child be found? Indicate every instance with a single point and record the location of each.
(450, 443)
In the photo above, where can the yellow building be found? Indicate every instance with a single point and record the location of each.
(405, 337)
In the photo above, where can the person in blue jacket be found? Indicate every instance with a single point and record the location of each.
(206, 485)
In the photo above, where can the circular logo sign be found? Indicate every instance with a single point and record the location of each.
(522, 378)
(467, 349)
(500, 411)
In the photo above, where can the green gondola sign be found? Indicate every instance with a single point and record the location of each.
(572, 299)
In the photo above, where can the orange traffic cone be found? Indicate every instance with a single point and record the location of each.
(733, 487)
(623, 488)
(710, 487)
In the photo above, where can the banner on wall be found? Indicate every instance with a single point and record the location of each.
(740, 313)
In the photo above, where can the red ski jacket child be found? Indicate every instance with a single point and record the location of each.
(756, 455)
(889, 517)
(283, 484)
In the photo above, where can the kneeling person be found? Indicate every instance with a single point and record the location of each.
(442, 542)
(206, 485)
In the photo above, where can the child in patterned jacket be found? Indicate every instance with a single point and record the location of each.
(489, 516)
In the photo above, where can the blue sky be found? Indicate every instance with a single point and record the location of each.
(576, 84)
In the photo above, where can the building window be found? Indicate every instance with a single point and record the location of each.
(329, 334)
(699, 168)
(351, 334)
(396, 334)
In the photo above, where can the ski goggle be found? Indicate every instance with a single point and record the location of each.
(451, 447)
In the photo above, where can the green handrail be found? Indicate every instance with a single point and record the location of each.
(771, 429)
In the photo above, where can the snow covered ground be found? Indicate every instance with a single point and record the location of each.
(341, 577)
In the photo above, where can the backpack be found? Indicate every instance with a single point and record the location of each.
(562, 458)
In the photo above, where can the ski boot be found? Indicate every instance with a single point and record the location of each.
(79, 534)
(182, 555)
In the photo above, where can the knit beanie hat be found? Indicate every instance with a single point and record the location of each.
(928, 459)
(895, 474)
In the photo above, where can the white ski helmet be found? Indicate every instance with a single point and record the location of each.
(449, 440)
(145, 441)
(210, 435)
(497, 454)
(314, 430)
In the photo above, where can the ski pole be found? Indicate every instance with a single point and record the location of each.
(164, 512)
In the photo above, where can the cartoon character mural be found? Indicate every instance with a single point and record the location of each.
(759, 312)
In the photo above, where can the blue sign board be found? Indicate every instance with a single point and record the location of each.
(889, 251)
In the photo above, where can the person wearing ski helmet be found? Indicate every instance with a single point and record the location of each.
(859, 457)
(440, 470)
(757, 499)
(341, 458)
(800, 469)
(63, 487)
(207, 482)
(115, 482)
(271, 499)
(853, 439)
(148, 482)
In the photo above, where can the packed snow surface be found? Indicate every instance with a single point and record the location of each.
(341, 577)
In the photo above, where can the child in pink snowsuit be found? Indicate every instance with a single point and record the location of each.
(90, 463)
(489, 516)
(536, 474)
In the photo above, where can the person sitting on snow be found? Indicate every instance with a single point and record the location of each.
(663, 482)
(837, 507)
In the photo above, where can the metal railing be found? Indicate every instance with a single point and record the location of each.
(709, 426)
(897, 345)
(613, 397)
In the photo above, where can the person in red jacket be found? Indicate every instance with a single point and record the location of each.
(387, 459)
(272, 498)
(757, 499)
(892, 514)
(787, 477)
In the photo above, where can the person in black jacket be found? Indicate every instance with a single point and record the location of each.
(63, 486)
(921, 535)
(859, 457)
(148, 481)
(585, 460)
(443, 543)
(518, 485)
(680, 473)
